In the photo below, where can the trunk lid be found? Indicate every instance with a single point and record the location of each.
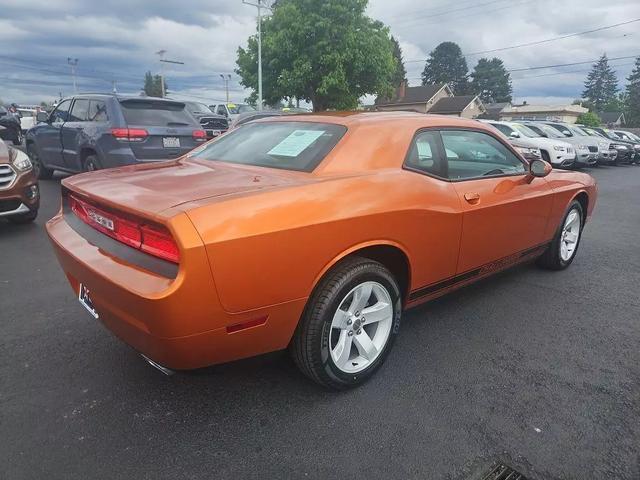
(150, 189)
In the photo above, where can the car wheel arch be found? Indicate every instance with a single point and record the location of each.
(86, 152)
(583, 198)
(391, 254)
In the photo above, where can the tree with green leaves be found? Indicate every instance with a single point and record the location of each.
(153, 85)
(400, 74)
(601, 85)
(633, 96)
(589, 119)
(491, 81)
(329, 53)
(446, 64)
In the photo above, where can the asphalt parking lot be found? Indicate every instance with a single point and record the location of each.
(540, 370)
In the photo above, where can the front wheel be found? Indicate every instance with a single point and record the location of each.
(42, 172)
(349, 324)
(564, 245)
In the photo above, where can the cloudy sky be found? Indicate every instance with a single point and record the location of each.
(116, 40)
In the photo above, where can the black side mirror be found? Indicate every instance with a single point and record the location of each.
(42, 117)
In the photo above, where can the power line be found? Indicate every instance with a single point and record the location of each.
(415, 18)
(568, 72)
(555, 39)
(540, 42)
(541, 67)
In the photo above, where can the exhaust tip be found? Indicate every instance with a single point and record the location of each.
(167, 371)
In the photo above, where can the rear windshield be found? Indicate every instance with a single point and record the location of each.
(297, 146)
(158, 114)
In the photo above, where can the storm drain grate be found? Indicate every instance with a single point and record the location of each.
(503, 472)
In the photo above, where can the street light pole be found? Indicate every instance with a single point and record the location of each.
(259, 5)
(73, 63)
(226, 84)
(161, 53)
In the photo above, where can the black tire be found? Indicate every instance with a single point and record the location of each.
(91, 164)
(42, 172)
(551, 259)
(310, 346)
(24, 218)
(18, 137)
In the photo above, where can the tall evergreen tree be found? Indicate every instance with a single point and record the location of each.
(491, 81)
(446, 64)
(601, 86)
(153, 85)
(633, 96)
(400, 74)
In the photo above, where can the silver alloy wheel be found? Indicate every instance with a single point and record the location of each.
(570, 235)
(360, 327)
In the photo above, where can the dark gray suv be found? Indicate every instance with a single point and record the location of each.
(93, 131)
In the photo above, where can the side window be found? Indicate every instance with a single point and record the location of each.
(97, 111)
(61, 112)
(221, 110)
(503, 128)
(476, 155)
(425, 154)
(79, 110)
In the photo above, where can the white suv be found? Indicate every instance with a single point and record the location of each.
(557, 152)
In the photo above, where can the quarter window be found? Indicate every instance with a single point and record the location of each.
(98, 111)
(425, 154)
(474, 155)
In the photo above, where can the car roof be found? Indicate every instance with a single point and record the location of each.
(385, 119)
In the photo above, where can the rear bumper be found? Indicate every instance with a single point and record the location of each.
(178, 323)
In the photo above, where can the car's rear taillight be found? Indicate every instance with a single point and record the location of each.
(155, 240)
(199, 135)
(129, 134)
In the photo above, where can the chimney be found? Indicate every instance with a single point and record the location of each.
(402, 89)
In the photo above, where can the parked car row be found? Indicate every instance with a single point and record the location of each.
(565, 145)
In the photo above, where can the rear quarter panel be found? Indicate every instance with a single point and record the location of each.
(272, 247)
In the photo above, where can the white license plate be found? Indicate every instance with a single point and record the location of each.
(170, 142)
(85, 300)
(214, 133)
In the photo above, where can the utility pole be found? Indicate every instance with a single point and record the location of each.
(161, 53)
(73, 63)
(259, 5)
(162, 62)
(226, 84)
(113, 84)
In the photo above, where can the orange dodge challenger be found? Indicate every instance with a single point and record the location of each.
(308, 232)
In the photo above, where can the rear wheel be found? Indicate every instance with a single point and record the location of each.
(40, 170)
(349, 324)
(91, 164)
(565, 244)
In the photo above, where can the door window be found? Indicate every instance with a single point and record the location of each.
(79, 111)
(60, 114)
(98, 111)
(475, 155)
(425, 154)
